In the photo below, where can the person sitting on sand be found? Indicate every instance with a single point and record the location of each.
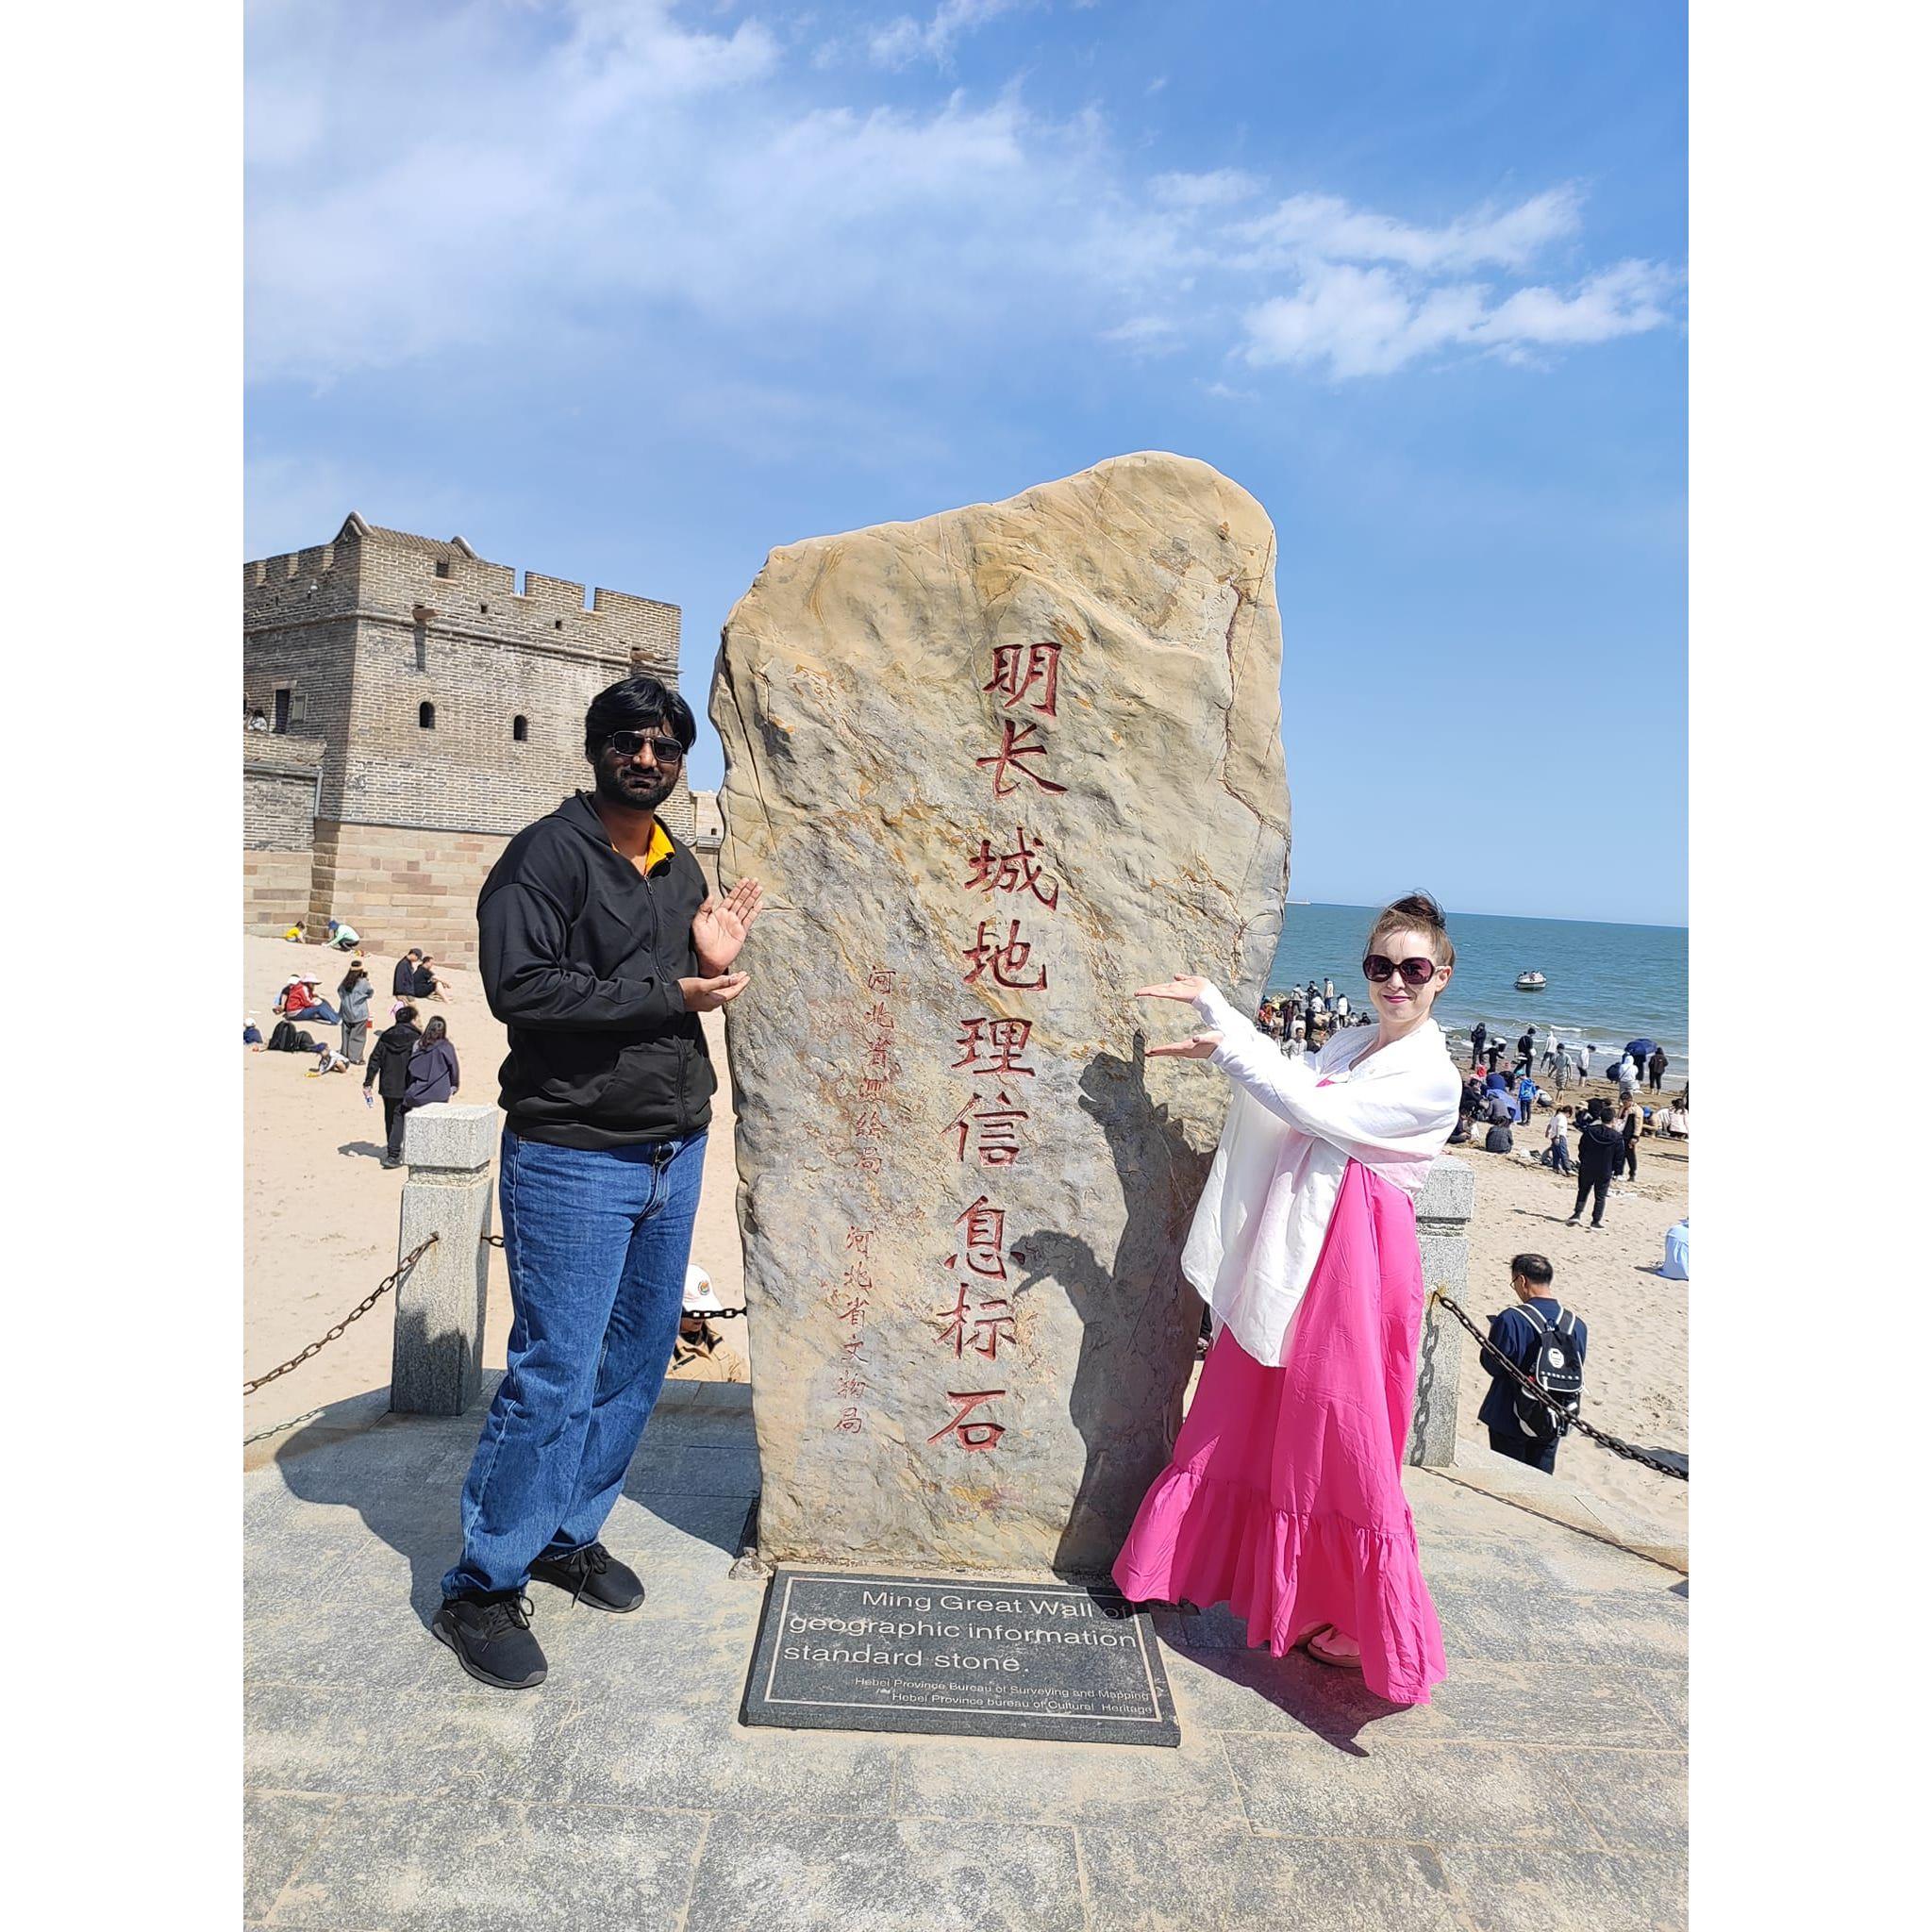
(402, 983)
(251, 1034)
(1508, 1410)
(1598, 1157)
(1673, 1123)
(428, 986)
(1501, 1138)
(304, 1002)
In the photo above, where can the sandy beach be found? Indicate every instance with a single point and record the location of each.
(321, 1218)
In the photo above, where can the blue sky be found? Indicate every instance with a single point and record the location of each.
(631, 291)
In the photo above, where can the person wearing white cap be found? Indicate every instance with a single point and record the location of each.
(305, 1002)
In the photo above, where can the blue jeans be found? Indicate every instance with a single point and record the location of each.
(597, 1243)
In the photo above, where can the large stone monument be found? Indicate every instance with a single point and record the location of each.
(995, 770)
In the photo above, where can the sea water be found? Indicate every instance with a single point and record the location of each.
(1608, 984)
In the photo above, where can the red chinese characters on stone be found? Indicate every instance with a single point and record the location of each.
(1016, 871)
(879, 979)
(983, 1434)
(992, 1047)
(982, 1326)
(987, 1129)
(1013, 749)
(986, 1239)
(1017, 668)
(850, 1423)
(1007, 957)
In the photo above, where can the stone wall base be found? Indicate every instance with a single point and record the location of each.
(276, 888)
(401, 887)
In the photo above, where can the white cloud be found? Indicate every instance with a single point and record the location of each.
(1324, 227)
(591, 173)
(1369, 322)
(903, 41)
(1213, 190)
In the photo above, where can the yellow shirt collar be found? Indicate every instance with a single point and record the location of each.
(659, 848)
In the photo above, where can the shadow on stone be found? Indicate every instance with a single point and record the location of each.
(379, 1479)
(1332, 1705)
(1127, 1385)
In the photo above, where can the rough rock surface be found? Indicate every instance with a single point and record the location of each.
(995, 770)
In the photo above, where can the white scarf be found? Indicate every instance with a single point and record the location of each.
(1284, 1148)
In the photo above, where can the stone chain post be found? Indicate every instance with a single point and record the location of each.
(438, 1368)
(1441, 1221)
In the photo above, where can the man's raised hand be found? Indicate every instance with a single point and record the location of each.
(708, 995)
(718, 925)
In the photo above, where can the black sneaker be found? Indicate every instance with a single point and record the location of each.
(490, 1636)
(592, 1575)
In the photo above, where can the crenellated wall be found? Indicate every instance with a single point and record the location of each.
(360, 635)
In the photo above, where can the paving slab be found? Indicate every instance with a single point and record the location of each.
(390, 1793)
(893, 1875)
(443, 1865)
(1511, 1890)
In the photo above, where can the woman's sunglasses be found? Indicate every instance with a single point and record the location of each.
(1379, 967)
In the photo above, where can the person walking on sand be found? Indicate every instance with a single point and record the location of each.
(1526, 1053)
(1633, 1128)
(1557, 1135)
(1655, 1067)
(1520, 1427)
(389, 1076)
(1478, 1034)
(1599, 1153)
(354, 993)
(434, 1077)
(1284, 1498)
(600, 948)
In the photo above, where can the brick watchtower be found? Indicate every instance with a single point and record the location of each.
(411, 707)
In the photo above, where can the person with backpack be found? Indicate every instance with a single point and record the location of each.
(1655, 1067)
(389, 1076)
(1599, 1154)
(1546, 1342)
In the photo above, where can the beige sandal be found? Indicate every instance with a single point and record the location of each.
(1335, 1660)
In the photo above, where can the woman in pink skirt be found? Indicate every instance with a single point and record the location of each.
(1284, 1498)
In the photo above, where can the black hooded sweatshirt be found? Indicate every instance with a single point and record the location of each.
(581, 955)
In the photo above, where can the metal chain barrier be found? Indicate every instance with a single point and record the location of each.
(355, 1314)
(1565, 1421)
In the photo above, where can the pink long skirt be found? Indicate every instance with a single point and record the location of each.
(1284, 1498)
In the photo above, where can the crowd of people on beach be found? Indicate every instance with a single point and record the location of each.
(1503, 1091)
(408, 1066)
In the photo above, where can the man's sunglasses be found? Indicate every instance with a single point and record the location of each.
(1379, 967)
(627, 745)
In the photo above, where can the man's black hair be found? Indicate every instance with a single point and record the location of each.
(634, 702)
(1534, 1269)
(405, 1016)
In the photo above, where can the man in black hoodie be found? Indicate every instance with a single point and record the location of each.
(389, 1073)
(1599, 1154)
(600, 946)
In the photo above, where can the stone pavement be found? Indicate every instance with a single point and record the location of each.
(387, 1792)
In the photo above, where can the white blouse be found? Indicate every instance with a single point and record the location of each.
(1284, 1145)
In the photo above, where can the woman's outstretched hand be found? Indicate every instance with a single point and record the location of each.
(1182, 986)
(1196, 1047)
